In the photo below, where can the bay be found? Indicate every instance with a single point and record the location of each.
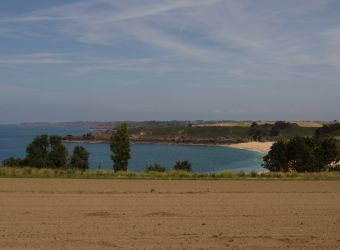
(15, 138)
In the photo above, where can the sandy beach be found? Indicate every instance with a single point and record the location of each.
(262, 147)
(137, 214)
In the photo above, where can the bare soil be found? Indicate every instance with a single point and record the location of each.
(145, 214)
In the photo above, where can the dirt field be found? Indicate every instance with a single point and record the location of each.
(135, 214)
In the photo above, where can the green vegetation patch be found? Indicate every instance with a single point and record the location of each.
(199, 132)
(295, 130)
(26, 172)
(264, 130)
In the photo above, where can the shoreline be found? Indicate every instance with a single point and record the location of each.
(260, 147)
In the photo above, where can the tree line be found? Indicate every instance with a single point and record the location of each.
(49, 151)
(259, 132)
(320, 152)
(266, 131)
(327, 130)
(302, 154)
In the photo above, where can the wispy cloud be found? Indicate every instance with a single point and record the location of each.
(205, 54)
(104, 22)
(242, 25)
(38, 58)
(127, 11)
(236, 36)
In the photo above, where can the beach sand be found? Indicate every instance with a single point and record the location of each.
(262, 147)
(153, 214)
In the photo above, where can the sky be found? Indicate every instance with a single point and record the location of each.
(107, 60)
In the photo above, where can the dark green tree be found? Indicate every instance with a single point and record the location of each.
(38, 152)
(278, 127)
(45, 151)
(58, 152)
(255, 132)
(325, 153)
(120, 147)
(80, 158)
(183, 165)
(300, 153)
(276, 159)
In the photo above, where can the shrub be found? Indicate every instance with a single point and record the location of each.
(228, 175)
(13, 162)
(253, 174)
(183, 165)
(155, 168)
(241, 174)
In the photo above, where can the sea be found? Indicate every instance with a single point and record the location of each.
(205, 159)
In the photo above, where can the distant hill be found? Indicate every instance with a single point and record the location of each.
(189, 133)
(112, 124)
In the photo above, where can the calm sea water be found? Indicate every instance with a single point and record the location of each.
(15, 138)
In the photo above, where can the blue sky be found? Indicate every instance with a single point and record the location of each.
(169, 59)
